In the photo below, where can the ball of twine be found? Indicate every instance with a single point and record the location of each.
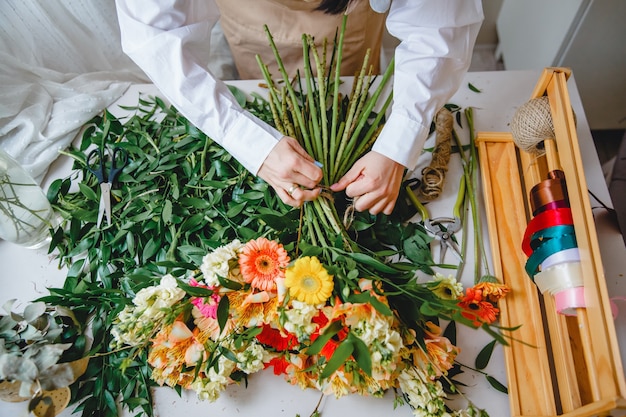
(532, 124)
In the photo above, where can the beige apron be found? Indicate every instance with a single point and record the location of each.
(242, 22)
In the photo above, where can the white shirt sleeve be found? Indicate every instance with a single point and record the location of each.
(437, 40)
(169, 40)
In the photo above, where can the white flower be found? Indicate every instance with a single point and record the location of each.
(134, 325)
(424, 394)
(164, 295)
(299, 319)
(251, 359)
(218, 262)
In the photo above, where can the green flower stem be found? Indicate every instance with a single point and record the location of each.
(347, 142)
(469, 114)
(315, 233)
(274, 100)
(337, 82)
(469, 173)
(12, 201)
(363, 117)
(321, 128)
(299, 117)
(371, 135)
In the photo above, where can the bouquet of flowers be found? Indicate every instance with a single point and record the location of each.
(250, 307)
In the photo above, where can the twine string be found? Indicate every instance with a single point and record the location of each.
(433, 176)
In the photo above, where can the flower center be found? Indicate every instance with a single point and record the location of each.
(265, 264)
(310, 283)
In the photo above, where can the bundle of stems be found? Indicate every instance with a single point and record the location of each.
(336, 132)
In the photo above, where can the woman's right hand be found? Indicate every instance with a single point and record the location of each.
(291, 172)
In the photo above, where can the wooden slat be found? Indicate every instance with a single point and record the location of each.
(595, 323)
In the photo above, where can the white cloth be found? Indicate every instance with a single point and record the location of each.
(168, 39)
(61, 63)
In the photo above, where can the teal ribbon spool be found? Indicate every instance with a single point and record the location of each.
(547, 248)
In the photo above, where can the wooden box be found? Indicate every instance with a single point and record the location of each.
(566, 365)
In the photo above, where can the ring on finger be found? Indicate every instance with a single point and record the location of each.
(292, 189)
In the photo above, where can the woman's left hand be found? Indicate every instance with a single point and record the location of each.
(373, 182)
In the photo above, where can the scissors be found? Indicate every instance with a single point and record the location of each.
(96, 164)
(433, 225)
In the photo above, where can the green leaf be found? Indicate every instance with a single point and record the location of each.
(497, 384)
(151, 248)
(235, 209)
(322, 339)
(374, 263)
(166, 214)
(474, 89)
(450, 332)
(223, 309)
(230, 284)
(194, 291)
(482, 360)
(87, 192)
(428, 310)
(239, 95)
(340, 356)
(361, 354)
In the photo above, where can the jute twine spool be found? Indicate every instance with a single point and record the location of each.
(532, 125)
(434, 175)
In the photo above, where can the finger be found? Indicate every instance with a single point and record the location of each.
(306, 176)
(364, 202)
(347, 179)
(295, 196)
(309, 195)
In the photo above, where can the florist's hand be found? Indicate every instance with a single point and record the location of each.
(291, 172)
(374, 183)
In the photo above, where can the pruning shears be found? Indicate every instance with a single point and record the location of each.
(443, 228)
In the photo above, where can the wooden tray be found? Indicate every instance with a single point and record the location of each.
(558, 365)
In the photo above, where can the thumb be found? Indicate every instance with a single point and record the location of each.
(347, 179)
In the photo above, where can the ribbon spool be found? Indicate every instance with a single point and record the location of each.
(549, 193)
(565, 282)
(550, 244)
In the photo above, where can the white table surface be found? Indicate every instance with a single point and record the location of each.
(25, 275)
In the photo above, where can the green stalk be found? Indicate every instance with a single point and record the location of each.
(469, 114)
(274, 100)
(333, 131)
(323, 153)
(363, 117)
(299, 119)
(346, 140)
(370, 136)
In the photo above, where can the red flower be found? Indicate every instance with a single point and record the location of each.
(273, 338)
(280, 365)
(330, 346)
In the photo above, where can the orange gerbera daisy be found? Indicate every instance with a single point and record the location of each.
(477, 308)
(262, 261)
(492, 291)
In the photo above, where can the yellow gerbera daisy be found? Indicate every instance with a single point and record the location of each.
(308, 281)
